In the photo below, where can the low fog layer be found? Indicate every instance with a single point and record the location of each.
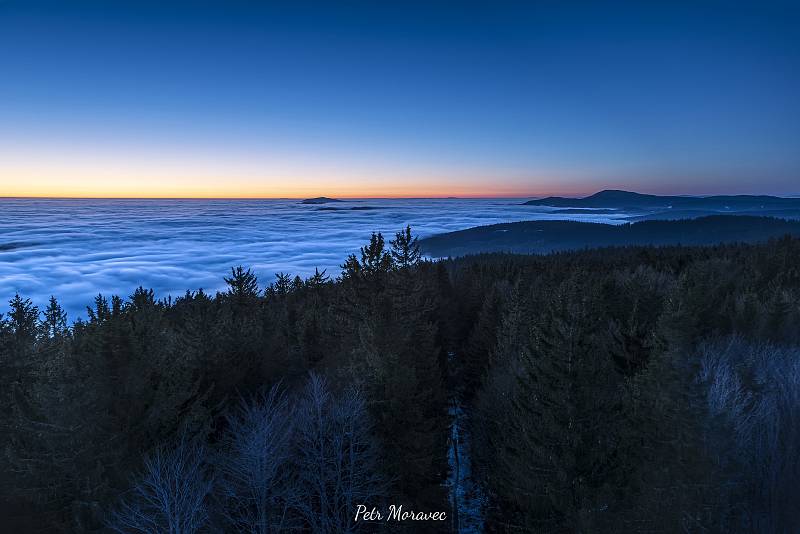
(75, 249)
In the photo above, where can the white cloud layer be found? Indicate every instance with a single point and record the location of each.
(75, 249)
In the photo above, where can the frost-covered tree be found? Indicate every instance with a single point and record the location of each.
(755, 389)
(255, 487)
(170, 496)
(337, 459)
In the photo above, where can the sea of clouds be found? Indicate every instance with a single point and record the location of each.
(75, 249)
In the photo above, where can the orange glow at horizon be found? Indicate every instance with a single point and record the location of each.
(80, 176)
(283, 187)
(23, 190)
(167, 194)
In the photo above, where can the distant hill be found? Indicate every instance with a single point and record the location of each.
(549, 236)
(626, 200)
(352, 208)
(319, 200)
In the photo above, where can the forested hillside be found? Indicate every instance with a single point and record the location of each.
(611, 198)
(630, 389)
(539, 237)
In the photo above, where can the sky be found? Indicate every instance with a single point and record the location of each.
(397, 99)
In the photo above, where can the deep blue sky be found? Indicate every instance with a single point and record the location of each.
(300, 98)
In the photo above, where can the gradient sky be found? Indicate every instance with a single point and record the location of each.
(241, 99)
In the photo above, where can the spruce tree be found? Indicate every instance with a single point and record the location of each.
(405, 249)
(54, 322)
(558, 465)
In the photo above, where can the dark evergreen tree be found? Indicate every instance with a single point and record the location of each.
(242, 284)
(54, 322)
(589, 406)
(405, 249)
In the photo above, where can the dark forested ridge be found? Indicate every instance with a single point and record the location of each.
(611, 198)
(547, 236)
(633, 389)
(641, 207)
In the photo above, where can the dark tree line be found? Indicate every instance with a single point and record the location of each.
(635, 389)
(631, 389)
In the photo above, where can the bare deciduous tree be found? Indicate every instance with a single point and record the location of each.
(337, 459)
(755, 388)
(256, 486)
(171, 494)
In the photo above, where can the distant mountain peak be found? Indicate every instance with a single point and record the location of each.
(319, 200)
(617, 193)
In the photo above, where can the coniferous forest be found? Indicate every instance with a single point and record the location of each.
(631, 389)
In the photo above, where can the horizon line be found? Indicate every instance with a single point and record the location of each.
(378, 197)
(342, 197)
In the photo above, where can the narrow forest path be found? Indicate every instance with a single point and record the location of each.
(466, 497)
